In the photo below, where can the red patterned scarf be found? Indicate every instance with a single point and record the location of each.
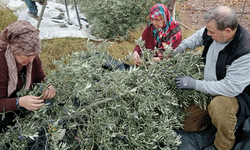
(170, 32)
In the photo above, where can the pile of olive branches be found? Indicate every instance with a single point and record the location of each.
(97, 108)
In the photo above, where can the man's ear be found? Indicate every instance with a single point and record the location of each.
(228, 31)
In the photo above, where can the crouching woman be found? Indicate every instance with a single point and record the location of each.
(20, 66)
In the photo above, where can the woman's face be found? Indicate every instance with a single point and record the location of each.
(157, 22)
(24, 59)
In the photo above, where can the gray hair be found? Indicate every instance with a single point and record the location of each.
(223, 16)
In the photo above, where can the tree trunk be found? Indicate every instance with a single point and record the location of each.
(171, 8)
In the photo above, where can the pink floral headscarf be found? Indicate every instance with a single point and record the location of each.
(19, 38)
(170, 32)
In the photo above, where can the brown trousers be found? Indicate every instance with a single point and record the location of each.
(221, 113)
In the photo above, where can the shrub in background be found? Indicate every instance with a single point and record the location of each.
(113, 18)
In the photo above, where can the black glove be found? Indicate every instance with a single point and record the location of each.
(185, 82)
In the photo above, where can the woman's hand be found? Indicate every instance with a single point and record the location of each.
(30, 102)
(50, 92)
(136, 58)
(156, 59)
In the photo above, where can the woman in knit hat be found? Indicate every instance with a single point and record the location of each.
(20, 66)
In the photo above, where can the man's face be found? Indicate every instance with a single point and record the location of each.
(24, 60)
(217, 35)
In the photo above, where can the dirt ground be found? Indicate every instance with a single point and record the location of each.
(192, 12)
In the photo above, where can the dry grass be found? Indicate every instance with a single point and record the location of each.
(60, 47)
(7, 17)
(121, 49)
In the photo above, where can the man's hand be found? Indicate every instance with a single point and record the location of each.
(49, 93)
(185, 82)
(30, 102)
(136, 58)
(178, 50)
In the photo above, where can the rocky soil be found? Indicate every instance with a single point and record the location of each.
(192, 11)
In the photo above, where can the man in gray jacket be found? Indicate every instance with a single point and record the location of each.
(226, 74)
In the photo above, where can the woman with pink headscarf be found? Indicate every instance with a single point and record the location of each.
(20, 66)
(161, 31)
